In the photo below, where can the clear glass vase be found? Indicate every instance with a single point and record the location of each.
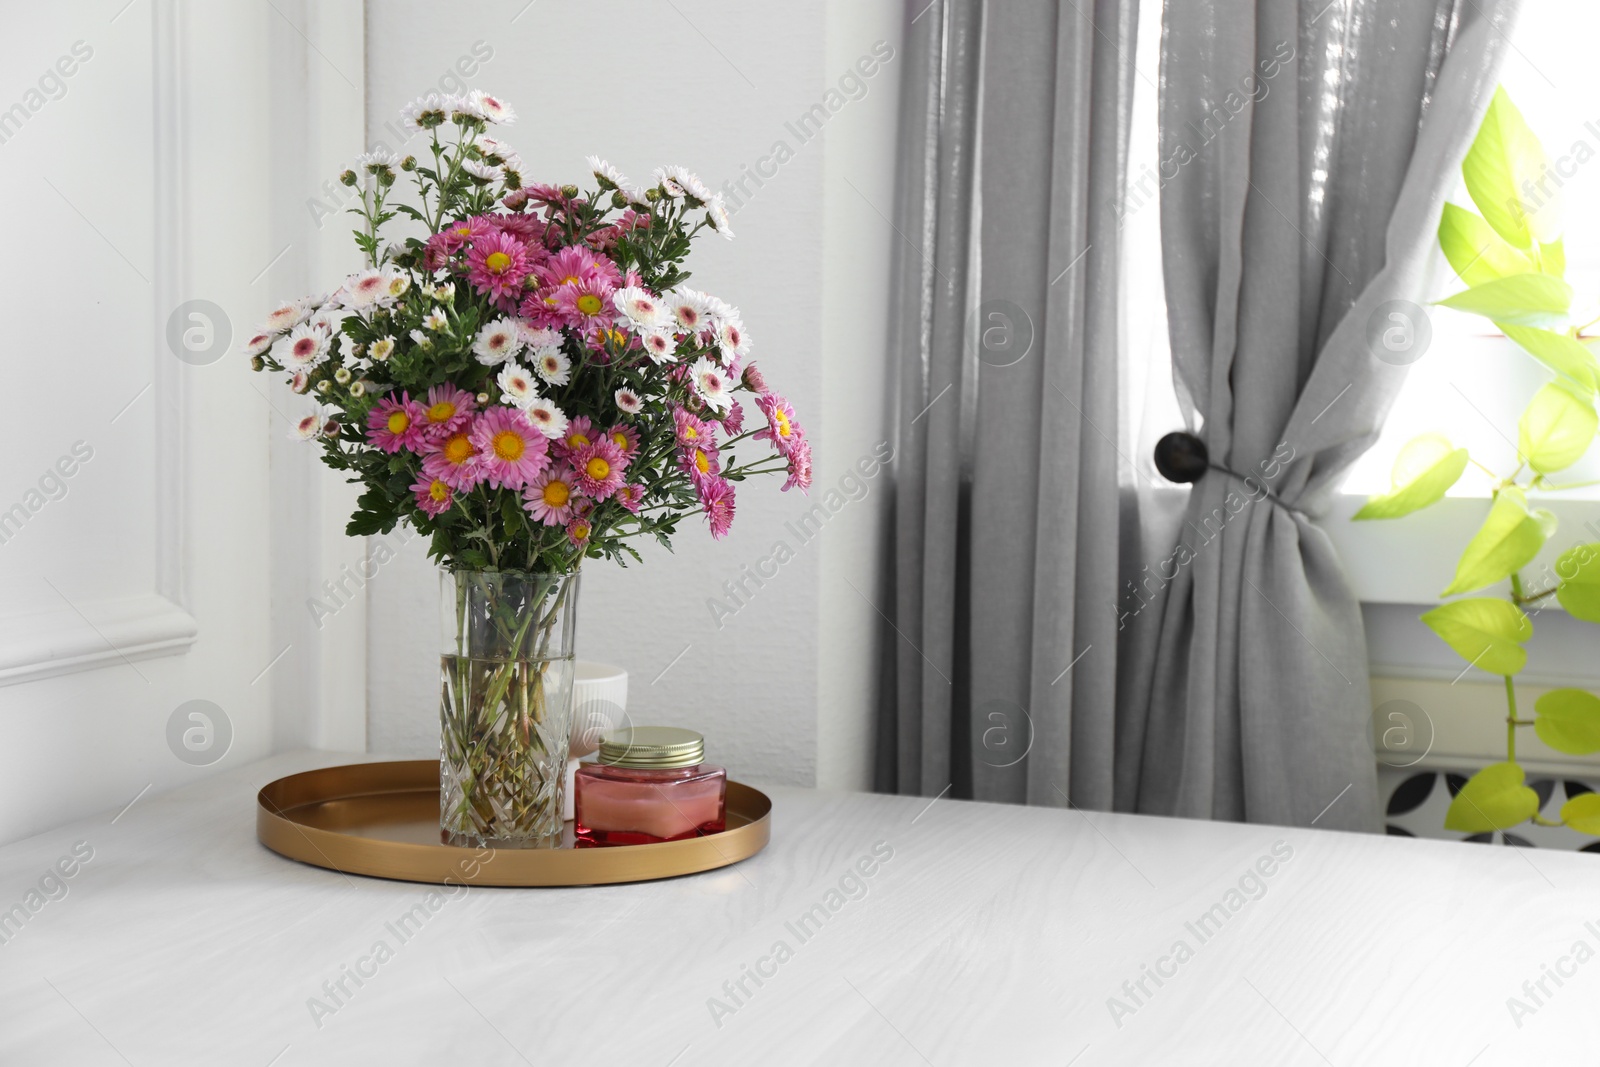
(505, 706)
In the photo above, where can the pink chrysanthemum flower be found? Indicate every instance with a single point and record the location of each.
(528, 229)
(799, 467)
(454, 461)
(733, 421)
(585, 303)
(578, 531)
(496, 265)
(551, 497)
(716, 497)
(782, 429)
(512, 451)
(700, 462)
(569, 266)
(393, 424)
(691, 429)
(434, 495)
(753, 380)
(580, 433)
(631, 496)
(448, 410)
(462, 231)
(626, 438)
(599, 469)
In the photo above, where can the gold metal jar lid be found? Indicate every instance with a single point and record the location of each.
(654, 747)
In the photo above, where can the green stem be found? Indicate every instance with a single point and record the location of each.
(1511, 721)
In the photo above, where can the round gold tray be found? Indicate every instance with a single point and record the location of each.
(382, 819)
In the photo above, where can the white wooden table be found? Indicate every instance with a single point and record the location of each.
(983, 935)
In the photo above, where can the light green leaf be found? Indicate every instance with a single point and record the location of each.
(1552, 258)
(1578, 570)
(1560, 352)
(1569, 721)
(1503, 156)
(1423, 471)
(1556, 429)
(1475, 252)
(1582, 813)
(1493, 799)
(1506, 542)
(1521, 300)
(1486, 632)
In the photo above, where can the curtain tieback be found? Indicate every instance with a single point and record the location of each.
(1182, 457)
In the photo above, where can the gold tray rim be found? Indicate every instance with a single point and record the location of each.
(441, 864)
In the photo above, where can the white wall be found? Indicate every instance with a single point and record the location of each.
(784, 689)
(136, 170)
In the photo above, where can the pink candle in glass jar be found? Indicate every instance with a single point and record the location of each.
(650, 784)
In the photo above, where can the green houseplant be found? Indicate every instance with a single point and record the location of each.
(1511, 257)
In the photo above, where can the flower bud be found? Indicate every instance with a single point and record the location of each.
(342, 376)
(753, 380)
(257, 363)
(619, 199)
(324, 386)
(483, 398)
(652, 195)
(409, 163)
(348, 178)
(569, 191)
(358, 389)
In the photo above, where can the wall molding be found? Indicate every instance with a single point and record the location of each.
(100, 634)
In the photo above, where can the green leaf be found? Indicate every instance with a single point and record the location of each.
(1578, 569)
(1556, 429)
(1506, 542)
(1423, 471)
(1569, 721)
(1476, 253)
(1521, 300)
(1493, 799)
(1553, 258)
(1485, 632)
(1503, 156)
(1582, 813)
(1560, 352)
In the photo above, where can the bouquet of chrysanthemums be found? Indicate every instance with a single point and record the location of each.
(524, 375)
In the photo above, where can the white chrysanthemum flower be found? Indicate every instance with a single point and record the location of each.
(491, 108)
(396, 284)
(458, 104)
(444, 292)
(659, 346)
(259, 344)
(711, 384)
(538, 336)
(636, 197)
(717, 212)
(689, 309)
(487, 172)
(543, 413)
(363, 288)
(553, 366)
(668, 183)
(516, 385)
(605, 173)
(432, 104)
(685, 180)
(378, 157)
(287, 314)
(732, 339)
(497, 342)
(301, 348)
(508, 155)
(436, 320)
(310, 427)
(381, 349)
(629, 401)
(421, 339)
(643, 310)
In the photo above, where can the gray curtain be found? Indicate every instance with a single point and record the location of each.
(1014, 143)
(1312, 144)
